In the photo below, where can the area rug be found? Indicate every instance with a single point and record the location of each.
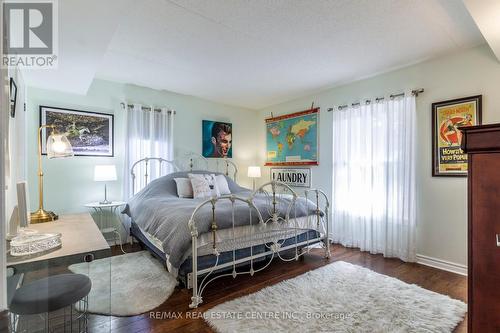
(129, 285)
(339, 297)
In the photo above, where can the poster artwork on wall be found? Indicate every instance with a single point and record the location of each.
(292, 139)
(448, 159)
(90, 133)
(217, 139)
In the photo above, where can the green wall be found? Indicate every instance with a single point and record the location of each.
(69, 182)
(442, 230)
(442, 201)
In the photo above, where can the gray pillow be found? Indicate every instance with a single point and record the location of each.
(184, 188)
(222, 184)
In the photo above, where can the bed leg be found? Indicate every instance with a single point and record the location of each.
(328, 253)
(327, 236)
(326, 243)
(196, 299)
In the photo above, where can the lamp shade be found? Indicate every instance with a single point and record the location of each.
(104, 173)
(58, 146)
(254, 172)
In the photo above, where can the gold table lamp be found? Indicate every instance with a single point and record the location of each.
(58, 146)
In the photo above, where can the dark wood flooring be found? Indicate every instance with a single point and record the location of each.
(226, 289)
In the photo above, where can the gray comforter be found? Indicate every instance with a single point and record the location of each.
(158, 210)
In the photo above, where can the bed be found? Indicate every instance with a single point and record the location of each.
(201, 240)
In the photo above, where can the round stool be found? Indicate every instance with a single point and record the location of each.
(52, 295)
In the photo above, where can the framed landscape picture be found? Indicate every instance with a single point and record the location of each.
(292, 139)
(90, 133)
(217, 139)
(448, 159)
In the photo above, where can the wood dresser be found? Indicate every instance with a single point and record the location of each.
(482, 144)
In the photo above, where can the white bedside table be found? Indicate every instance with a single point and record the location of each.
(100, 210)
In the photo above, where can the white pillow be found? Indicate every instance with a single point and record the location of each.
(222, 185)
(184, 187)
(204, 185)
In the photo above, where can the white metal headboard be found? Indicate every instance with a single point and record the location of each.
(225, 166)
(187, 162)
(192, 161)
(146, 162)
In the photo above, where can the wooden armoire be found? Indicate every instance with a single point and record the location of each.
(482, 144)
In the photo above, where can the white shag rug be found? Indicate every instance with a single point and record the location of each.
(131, 284)
(339, 297)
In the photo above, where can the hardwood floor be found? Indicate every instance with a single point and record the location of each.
(226, 289)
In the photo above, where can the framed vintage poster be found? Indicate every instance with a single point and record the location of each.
(448, 159)
(217, 139)
(297, 177)
(292, 139)
(90, 133)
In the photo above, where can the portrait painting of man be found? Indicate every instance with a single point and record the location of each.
(217, 139)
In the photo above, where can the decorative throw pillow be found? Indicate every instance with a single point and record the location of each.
(204, 185)
(222, 184)
(184, 187)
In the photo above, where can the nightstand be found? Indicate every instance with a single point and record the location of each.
(103, 218)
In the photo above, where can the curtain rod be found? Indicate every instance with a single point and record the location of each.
(146, 108)
(378, 99)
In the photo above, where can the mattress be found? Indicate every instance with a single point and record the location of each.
(244, 238)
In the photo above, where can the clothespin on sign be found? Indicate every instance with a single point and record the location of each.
(272, 116)
(312, 105)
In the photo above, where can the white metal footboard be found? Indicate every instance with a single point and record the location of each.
(282, 224)
(321, 200)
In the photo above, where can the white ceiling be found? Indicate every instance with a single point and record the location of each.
(486, 14)
(84, 35)
(249, 53)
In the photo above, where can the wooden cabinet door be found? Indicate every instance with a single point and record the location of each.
(484, 254)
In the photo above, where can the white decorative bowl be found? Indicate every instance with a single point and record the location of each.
(29, 243)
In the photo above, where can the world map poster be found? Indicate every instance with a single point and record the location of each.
(292, 139)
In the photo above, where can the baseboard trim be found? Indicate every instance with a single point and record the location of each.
(442, 264)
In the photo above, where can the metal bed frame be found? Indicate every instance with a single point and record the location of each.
(187, 162)
(282, 225)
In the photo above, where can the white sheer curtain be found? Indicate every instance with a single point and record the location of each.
(374, 202)
(148, 134)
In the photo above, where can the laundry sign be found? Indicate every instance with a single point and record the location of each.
(300, 177)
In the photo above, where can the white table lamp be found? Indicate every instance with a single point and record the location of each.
(105, 173)
(254, 172)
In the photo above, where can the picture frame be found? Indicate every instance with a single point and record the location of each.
(90, 133)
(293, 139)
(217, 139)
(12, 97)
(448, 159)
